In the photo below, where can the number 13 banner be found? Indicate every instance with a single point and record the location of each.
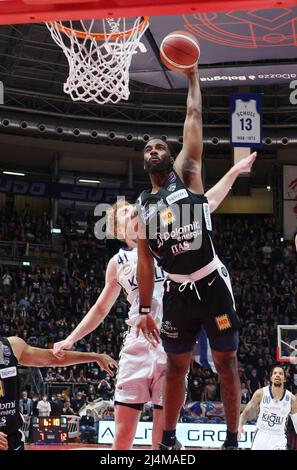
(246, 119)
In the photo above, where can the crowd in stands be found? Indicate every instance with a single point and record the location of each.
(43, 304)
(25, 227)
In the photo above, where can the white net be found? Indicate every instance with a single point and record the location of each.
(98, 62)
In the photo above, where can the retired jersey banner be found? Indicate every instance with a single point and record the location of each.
(246, 119)
(290, 201)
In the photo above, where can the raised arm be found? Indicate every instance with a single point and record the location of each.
(250, 409)
(97, 313)
(37, 357)
(217, 193)
(188, 163)
(145, 280)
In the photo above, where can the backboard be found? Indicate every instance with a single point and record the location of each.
(39, 11)
(286, 343)
(248, 32)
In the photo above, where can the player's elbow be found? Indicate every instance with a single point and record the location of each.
(101, 311)
(194, 111)
(213, 204)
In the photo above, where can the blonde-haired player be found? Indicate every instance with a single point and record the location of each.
(141, 365)
(275, 404)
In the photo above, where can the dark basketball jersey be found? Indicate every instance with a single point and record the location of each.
(10, 418)
(177, 225)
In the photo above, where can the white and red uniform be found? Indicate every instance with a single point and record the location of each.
(141, 366)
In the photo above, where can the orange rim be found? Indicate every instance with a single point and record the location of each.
(100, 36)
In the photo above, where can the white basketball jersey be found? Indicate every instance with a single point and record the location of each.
(126, 266)
(274, 413)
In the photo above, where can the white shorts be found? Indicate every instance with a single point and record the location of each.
(141, 372)
(267, 441)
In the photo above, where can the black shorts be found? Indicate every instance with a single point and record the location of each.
(208, 302)
(15, 441)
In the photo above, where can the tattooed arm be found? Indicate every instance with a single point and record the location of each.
(250, 409)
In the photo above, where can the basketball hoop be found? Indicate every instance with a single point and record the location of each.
(99, 54)
(286, 350)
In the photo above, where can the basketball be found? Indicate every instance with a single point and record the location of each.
(180, 51)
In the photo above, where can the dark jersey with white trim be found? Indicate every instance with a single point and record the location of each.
(10, 418)
(177, 226)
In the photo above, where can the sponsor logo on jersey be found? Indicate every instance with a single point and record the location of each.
(8, 372)
(160, 203)
(272, 419)
(6, 351)
(7, 406)
(186, 232)
(127, 270)
(207, 216)
(274, 408)
(224, 271)
(174, 197)
(181, 247)
(171, 177)
(3, 421)
(171, 187)
(168, 330)
(223, 322)
(148, 214)
(7, 409)
(2, 390)
(167, 217)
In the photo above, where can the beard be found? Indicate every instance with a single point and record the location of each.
(164, 166)
(277, 384)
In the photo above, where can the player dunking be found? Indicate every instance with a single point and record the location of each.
(141, 366)
(14, 351)
(176, 221)
(275, 404)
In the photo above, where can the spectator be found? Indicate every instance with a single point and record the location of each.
(245, 394)
(253, 383)
(6, 284)
(104, 389)
(57, 405)
(35, 401)
(210, 390)
(81, 378)
(26, 404)
(78, 402)
(67, 409)
(87, 428)
(44, 407)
